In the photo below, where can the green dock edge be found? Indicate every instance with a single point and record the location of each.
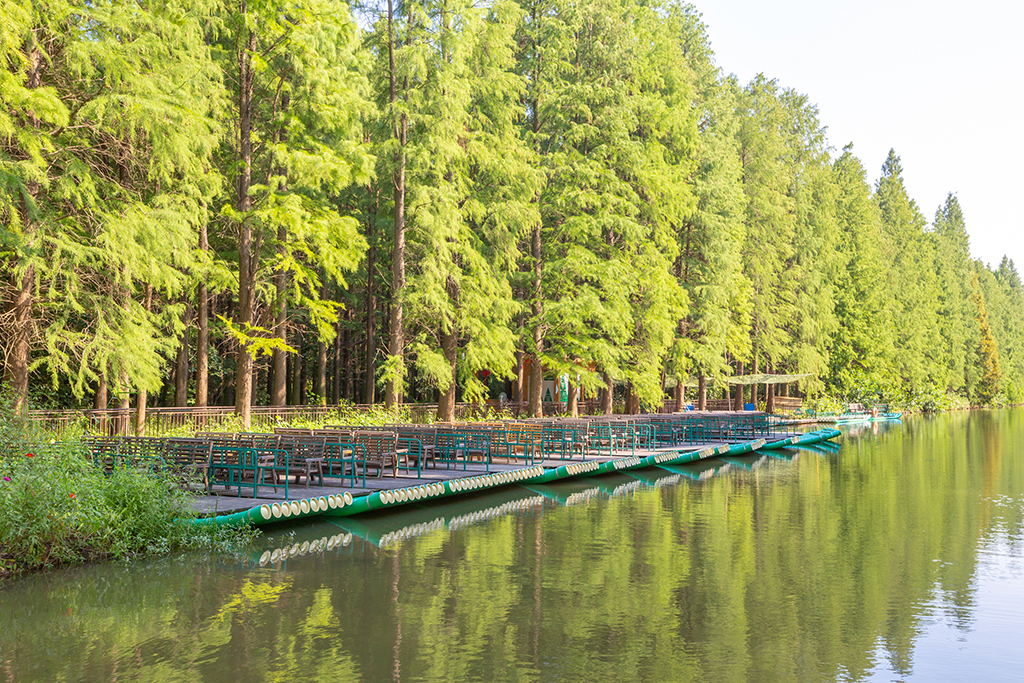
(344, 505)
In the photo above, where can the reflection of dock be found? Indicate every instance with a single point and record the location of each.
(569, 492)
(701, 470)
(749, 462)
(388, 527)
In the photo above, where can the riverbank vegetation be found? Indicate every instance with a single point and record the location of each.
(225, 203)
(58, 509)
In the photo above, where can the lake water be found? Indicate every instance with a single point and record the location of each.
(899, 558)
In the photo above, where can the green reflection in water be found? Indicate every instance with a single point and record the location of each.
(809, 567)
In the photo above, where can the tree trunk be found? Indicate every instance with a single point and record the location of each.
(336, 361)
(181, 366)
(753, 387)
(19, 309)
(99, 398)
(140, 404)
(446, 397)
(608, 395)
(124, 405)
(370, 373)
(347, 358)
(537, 309)
(769, 398)
(99, 403)
(278, 394)
(517, 385)
(573, 407)
(738, 389)
(702, 392)
(677, 396)
(247, 259)
(321, 373)
(18, 299)
(203, 333)
(396, 341)
(297, 363)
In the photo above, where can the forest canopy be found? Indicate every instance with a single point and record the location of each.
(275, 202)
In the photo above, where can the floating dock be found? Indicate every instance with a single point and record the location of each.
(387, 493)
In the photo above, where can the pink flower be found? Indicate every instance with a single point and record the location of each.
(7, 478)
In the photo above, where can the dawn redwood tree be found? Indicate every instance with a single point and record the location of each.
(957, 313)
(770, 217)
(296, 143)
(710, 236)
(863, 346)
(108, 114)
(910, 273)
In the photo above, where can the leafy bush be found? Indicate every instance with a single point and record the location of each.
(57, 508)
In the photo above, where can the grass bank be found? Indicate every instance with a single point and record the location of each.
(58, 509)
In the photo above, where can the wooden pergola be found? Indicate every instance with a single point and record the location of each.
(742, 381)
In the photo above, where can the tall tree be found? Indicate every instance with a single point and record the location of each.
(864, 343)
(297, 144)
(910, 275)
(988, 354)
(770, 219)
(107, 115)
(957, 312)
(709, 265)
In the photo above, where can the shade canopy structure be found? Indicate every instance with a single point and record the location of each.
(744, 380)
(747, 380)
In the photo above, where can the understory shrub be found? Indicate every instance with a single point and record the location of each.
(57, 508)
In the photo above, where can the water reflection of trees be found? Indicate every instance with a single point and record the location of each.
(795, 571)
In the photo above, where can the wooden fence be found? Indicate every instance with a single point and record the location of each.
(163, 421)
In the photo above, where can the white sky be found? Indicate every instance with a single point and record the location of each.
(942, 83)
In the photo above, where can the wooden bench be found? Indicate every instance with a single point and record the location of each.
(379, 450)
(110, 453)
(516, 441)
(188, 458)
(305, 456)
(341, 451)
(420, 444)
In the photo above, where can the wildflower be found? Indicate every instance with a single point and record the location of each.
(72, 496)
(30, 455)
(7, 478)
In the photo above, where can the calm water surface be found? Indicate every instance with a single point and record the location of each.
(899, 558)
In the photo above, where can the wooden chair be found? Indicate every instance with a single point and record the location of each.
(380, 450)
(306, 456)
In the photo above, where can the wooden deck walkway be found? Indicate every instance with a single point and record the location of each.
(227, 501)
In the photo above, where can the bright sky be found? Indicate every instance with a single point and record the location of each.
(942, 83)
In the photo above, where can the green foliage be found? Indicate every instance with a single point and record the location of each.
(57, 508)
(685, 223)
(988, 355)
